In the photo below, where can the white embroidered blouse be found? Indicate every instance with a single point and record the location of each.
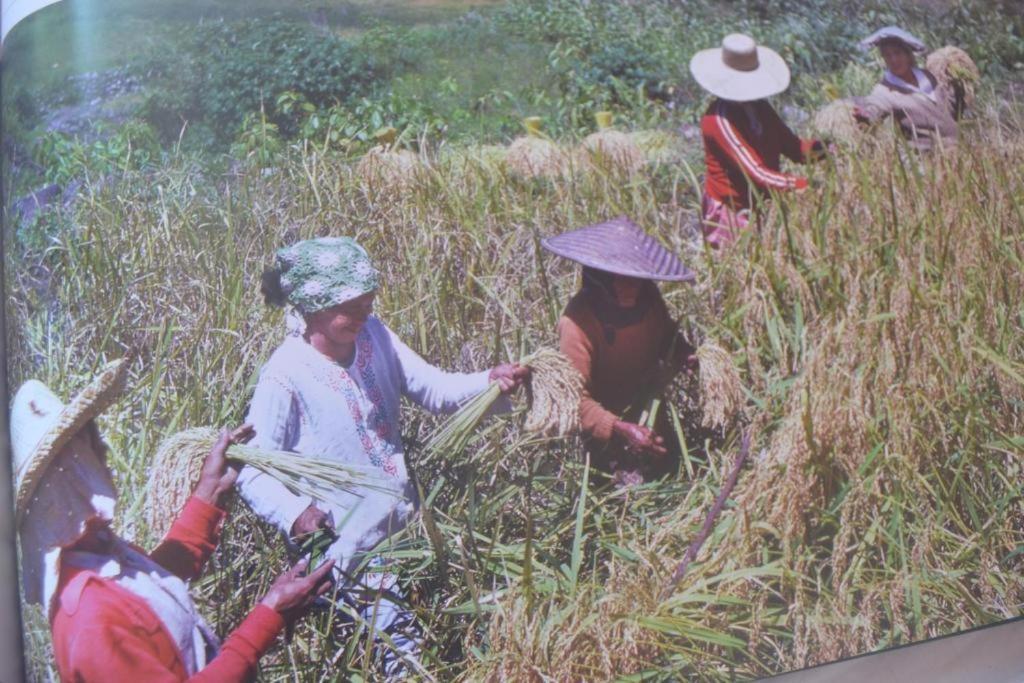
(924, 84)
(307, 403)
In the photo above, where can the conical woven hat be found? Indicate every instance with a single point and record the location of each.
(41, 425)
(619, 246)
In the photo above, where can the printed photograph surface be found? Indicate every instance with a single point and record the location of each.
(511, 340)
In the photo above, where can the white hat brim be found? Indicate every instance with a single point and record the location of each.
(912, 42)
(90, 402)
(771, 77)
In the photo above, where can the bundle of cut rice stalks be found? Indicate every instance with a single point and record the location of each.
(719, 398)
(610, 149)
(475, 159)
(492, 154)
(179, 459)
(721, 392)
(955, 69)
(660, 146)
(386, 167)
(554, 397)
(536, 156)
(554, 394)
(836, 121)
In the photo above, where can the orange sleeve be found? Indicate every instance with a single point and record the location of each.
(192, 539)
(237, 658)
(595, 420)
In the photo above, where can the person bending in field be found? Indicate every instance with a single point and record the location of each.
(744, 137)
(333, 389)
(618, 333)
(925, 109)
(117, 613)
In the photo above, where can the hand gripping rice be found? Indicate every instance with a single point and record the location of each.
(179, 460)
(554, 395)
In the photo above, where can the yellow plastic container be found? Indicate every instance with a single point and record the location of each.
(603, 119)
(386, 136)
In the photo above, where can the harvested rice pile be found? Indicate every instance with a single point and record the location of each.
(387, 168)
(955, 69)
(659, 146)
(535, 157)
(612, 149)
(836, 121)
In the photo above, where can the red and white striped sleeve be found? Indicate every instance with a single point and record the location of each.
(747, 157)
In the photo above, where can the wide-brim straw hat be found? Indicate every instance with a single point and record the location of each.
(41, 424)
(893, 33)
(619, 246)
(740, 70)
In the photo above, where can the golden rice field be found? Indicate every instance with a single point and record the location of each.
(869, 337)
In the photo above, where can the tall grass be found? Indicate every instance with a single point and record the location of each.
(876, 322)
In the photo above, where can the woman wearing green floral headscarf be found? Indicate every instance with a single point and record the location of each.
(333, 389)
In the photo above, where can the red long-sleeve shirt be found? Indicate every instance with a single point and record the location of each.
(102, 632)
(740, 163)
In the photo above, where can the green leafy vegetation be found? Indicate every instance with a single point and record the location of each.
(231, 70)
(474, 76)
(63, 158)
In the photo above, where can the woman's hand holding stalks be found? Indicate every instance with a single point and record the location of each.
(684, 356)
(310, 520)
(639, 439)
(821, 149)
(218, 475)
(292, 592)
(509, 376)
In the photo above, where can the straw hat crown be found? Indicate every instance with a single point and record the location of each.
(619, 246)
(41, 424)
(740, 52)
(740, 70)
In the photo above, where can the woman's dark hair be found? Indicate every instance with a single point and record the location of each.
(599, 279)
(600, 282)
(270, 286)
(896, 42)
